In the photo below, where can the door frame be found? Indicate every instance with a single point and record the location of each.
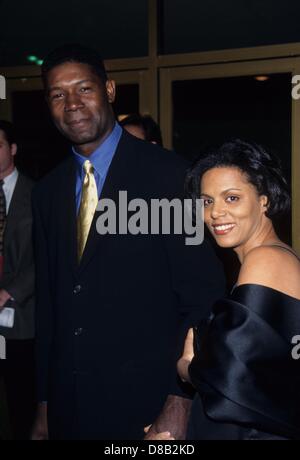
(168, 75)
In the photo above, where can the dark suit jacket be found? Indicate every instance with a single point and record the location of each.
(110, 330)
(18, 272)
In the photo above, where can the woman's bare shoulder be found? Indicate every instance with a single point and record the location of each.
(272, 266)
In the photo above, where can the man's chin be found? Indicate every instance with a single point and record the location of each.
(79, 137)
(81, 140)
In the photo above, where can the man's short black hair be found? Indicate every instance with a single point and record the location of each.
(150, 128)
(74, 53)
(9, 131)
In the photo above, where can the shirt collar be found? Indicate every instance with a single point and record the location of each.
(102, 156)
(11, 177)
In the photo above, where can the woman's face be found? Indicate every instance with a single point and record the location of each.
(233, 211)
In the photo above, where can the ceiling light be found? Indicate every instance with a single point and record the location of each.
(32, 58)
(262, 78)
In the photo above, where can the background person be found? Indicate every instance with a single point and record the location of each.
(16, 285)
(143, 127)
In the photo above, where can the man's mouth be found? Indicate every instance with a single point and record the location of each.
(77, 122)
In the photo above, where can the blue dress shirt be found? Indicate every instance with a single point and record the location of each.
(101, 159)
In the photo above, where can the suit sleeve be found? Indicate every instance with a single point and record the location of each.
(198, 281)
(21, 286)
(43, 316)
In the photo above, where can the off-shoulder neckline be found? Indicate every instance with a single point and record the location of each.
(235, 287)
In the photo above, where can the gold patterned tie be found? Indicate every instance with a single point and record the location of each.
(88, 204)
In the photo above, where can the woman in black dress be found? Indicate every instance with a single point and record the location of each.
(243, 360)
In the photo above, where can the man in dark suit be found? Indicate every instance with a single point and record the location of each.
(16, 285)
(112, 309)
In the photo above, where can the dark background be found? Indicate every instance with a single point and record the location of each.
(205, 111)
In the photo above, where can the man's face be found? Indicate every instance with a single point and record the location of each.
(80, 105)
(7, 153)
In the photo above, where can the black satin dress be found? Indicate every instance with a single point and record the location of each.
(247, 380)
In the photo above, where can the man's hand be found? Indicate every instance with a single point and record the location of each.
(4, 297)
(186, 358)
(172, 421)
(40, 426)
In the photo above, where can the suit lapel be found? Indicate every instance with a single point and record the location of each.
(67, 212)
(16, 206)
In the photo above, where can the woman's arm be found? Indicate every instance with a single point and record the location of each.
(186, 358)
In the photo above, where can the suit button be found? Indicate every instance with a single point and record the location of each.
(77, 289)
(78, 331)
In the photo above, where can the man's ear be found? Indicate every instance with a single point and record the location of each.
(111, 90)
(13, 149)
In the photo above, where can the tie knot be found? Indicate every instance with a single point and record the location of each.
(88, 167)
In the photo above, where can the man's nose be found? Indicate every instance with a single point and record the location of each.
(73, 102)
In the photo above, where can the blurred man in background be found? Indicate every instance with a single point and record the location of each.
(143, 127)
(16, 286)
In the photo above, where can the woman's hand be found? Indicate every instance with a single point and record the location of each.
(154, 436)
(187, 356)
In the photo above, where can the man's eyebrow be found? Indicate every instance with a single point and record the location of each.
(55, 88)
(84, 81)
